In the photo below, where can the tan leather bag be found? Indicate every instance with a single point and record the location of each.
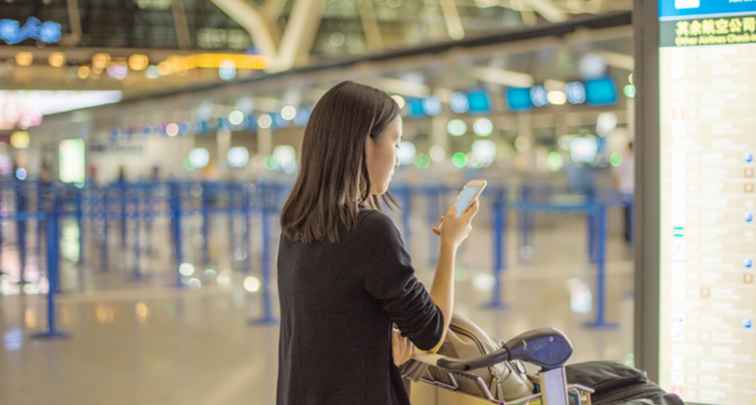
(465, 340)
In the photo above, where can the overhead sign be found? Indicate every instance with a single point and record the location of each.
(12, 32)
(674, 9)
(595, 92)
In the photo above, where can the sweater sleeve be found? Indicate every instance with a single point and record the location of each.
(390, 279)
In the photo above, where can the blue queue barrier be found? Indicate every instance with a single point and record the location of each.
(174, 204)
(21, 228)
(265, 198)
(434, 195)
(543, 195)
(137, 244)
(270, 196)
(206, 199)
(499, 218)
(231, 189)
(596, 214)
(404, 193)
(52, 220)
(79, 215)
(104, 245)
(599, 321)
(247, 228)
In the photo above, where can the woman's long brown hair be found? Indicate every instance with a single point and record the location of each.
(333, 180)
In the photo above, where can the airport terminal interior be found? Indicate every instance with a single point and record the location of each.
(147, 148)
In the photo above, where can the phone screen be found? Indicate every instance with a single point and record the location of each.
(465, 198)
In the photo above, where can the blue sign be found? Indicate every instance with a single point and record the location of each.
(600, 92)
(518, 99)
(12, 32)
(478, 101)
(684, 8)
(415, 107)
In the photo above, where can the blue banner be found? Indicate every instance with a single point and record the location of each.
(684, 8)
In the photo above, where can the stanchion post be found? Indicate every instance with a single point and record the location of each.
(104, 247)
(232, 242)
(499, 209)
(599, 321)
(138, 215)
(175, 219)
(523, 221)
(39, 208)
(247, 230)
(123, 204)
(630, 202)
(267, 318)
(205, 227)
(53, 274)
(433, 194)
(405, 193)
(21, 220)
(591, 227)
(79, 215)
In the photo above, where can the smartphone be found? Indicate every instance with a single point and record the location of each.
(469, 192)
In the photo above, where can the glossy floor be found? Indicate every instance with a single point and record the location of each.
(145, 342)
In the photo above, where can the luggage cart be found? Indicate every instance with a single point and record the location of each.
(545, 348)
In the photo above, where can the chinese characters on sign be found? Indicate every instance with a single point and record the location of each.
(713, 31)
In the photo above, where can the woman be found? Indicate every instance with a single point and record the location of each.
(344, 275)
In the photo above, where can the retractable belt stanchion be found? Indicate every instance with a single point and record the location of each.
(247, 228)
(205, 225)
(434, 195)
(138, 216)
(267, 193)
(599, 322)
(499, 210)
(79, 216)
(231, 194)
(21, 228)
(175, 220)
(104, 247)
(53, 274)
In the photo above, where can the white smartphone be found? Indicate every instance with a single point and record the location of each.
(469, 192)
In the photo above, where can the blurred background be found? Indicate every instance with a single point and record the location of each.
(146, 147)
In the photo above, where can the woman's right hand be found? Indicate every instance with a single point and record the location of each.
(454, 230)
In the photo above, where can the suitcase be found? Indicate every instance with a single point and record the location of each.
(617, 384)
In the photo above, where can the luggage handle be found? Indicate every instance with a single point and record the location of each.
(547, 348)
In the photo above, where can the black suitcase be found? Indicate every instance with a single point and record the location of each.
(617, 384)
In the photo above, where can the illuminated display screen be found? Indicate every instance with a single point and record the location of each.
(415, 107)
(600, 92)
(707, 85)
(596, 92)
(478, 101)
(518, 99)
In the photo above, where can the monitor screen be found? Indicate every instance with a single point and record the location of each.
(518, 99)
(600, 92)
(478, 101)
(707, 294)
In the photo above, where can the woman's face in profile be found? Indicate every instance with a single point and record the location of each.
(381, 156)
